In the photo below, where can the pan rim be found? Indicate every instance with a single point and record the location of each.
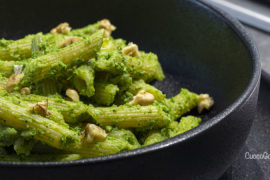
(238, 28)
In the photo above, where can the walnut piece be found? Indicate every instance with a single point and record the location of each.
(69, 41)
(204, 102)
(143, 98)
(62, 28)
(25, 90)
(131, 49)
(41, 108)
(18, 69)
(14, 80)
(93, 133)
(73, 95)
(107, 26)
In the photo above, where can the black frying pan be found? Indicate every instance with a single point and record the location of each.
(199, 48)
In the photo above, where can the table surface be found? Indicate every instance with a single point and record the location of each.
(258, 141)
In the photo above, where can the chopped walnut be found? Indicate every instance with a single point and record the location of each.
(107, 26)
(73, 95)
(204, 102)
(14, 80)
(132, 50)
(18, 69)
(62, 28)
(143, 98)
(41, 108)
(25, 90)
(93, 133)
(69, 41)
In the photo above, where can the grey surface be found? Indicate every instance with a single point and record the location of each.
(258, 141)
(248, 11)
(253, 5)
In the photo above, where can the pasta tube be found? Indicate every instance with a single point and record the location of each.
(127, 116)
(16, 50)
(84, 80)
(182, 103)
(45, 66)
(105, 93)
(141, 85)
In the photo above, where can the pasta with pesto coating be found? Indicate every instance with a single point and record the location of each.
(80, 93)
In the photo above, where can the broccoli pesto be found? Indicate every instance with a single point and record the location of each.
(80, 93)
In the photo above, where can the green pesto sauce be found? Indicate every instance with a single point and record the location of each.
(106, 83)
(5, 43)
(67, 141)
